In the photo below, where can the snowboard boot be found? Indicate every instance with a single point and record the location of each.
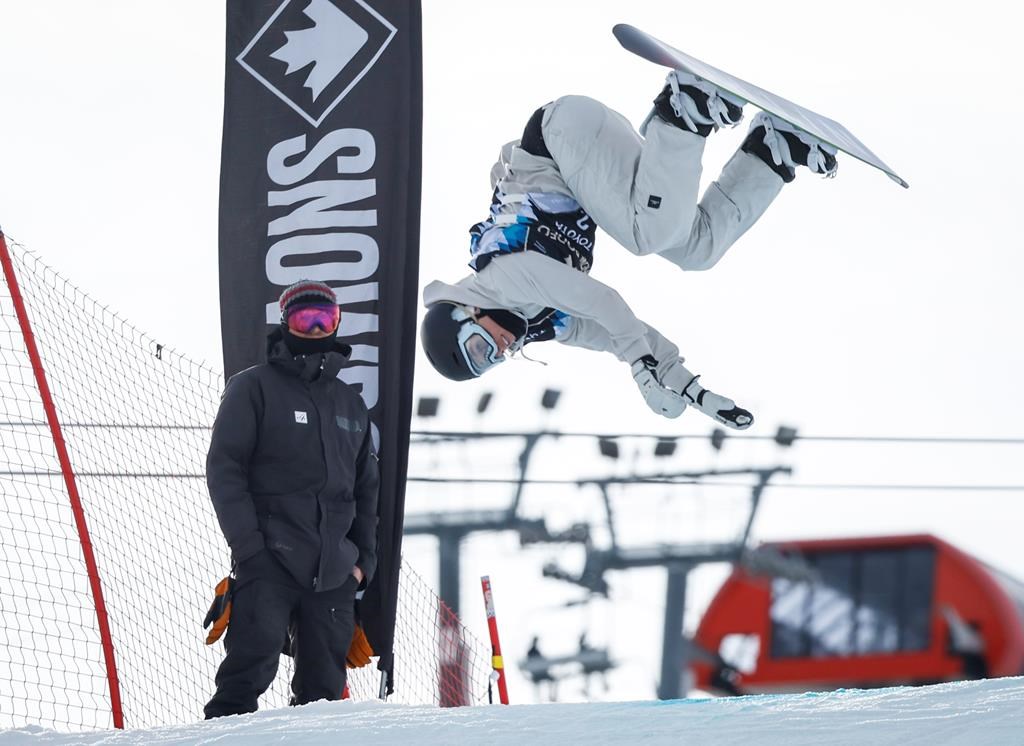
(695, 105)
(783, 147)
(717, 407)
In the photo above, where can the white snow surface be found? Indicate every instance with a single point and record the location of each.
(976, 712)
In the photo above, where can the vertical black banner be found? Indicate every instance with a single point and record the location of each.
(320, 179)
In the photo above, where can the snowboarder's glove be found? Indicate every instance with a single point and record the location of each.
(717, 407)
(661, 399)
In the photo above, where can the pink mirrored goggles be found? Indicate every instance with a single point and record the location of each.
(306, 319)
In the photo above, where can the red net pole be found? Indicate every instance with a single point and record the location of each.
(452, 672)
(69, 481)
(492, 625)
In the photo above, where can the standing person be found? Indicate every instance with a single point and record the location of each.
(580, 165)
(293, 478)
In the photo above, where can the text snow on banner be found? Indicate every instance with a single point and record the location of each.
(320, 179)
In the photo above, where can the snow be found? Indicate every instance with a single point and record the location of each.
(976, 712)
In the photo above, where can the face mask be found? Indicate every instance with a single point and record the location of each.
(307, 346)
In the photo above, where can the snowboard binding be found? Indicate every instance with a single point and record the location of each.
(695, 105)
(783, 147)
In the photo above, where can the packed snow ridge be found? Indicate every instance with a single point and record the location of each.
(976, 712)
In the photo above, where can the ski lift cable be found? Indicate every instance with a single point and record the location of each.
(702, 483)
(428, 436)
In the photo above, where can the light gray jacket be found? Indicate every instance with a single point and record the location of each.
(527, 282)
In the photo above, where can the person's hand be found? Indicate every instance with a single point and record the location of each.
(723, 409)
(719, 408)
(259, 565)
(357, 573)
(661, 399)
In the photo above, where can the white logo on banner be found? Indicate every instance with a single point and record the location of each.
(336, 52)
(329, 45)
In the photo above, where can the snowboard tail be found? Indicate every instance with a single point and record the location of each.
(830, 131)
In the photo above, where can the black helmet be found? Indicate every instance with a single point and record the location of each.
(457, 346)
(439, 335)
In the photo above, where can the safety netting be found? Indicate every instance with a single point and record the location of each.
(136, 416)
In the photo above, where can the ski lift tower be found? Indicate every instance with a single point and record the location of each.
(678, 560)
(451, 527)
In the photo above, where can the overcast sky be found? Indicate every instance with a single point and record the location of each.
(854, 307)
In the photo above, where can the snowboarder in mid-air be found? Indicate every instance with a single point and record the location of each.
(579, 165)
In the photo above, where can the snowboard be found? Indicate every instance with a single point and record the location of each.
(828, 130)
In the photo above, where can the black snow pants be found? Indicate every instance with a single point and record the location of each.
(266, 601)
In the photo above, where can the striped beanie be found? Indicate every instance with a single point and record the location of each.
(303, 293)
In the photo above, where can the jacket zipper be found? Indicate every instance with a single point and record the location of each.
(323, 453)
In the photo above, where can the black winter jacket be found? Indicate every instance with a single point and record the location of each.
(291, 467)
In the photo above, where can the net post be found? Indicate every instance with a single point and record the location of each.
(497, 663)
(69, 482)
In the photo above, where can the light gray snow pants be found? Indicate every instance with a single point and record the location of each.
(643, 191)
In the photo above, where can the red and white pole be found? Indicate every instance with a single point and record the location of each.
(492, 625)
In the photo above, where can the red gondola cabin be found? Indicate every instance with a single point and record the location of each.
(880, 612)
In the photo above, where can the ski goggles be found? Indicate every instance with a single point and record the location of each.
(307, 318)
(478, 347)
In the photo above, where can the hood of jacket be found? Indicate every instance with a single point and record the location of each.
(306, 367)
